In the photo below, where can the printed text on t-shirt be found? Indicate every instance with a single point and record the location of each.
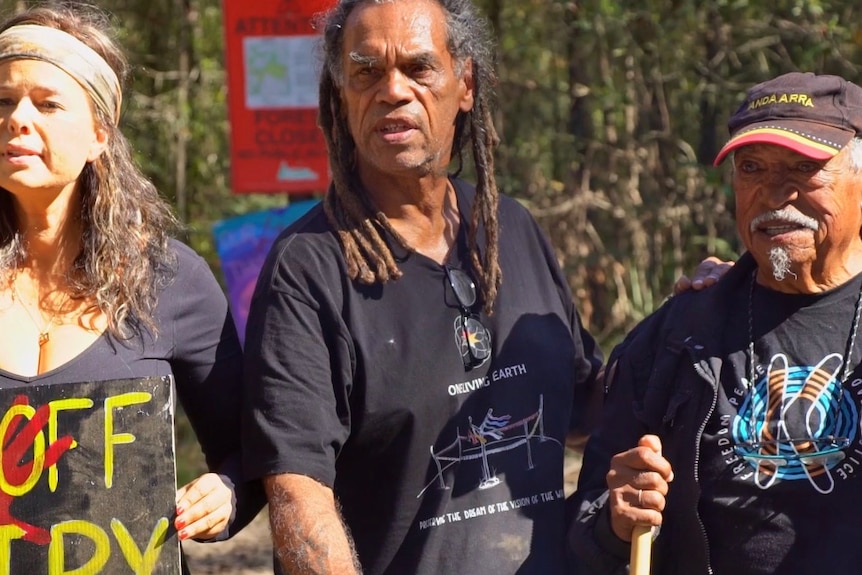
(485, 381)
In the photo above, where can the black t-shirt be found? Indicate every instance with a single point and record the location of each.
(197, 344)
(438, 468)
(785, 516)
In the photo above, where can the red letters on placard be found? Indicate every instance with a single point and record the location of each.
(16, 471)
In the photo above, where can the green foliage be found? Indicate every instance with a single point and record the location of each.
(610, 114)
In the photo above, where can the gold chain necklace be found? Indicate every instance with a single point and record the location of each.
(44, 329)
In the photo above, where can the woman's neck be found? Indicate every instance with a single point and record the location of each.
(51, 234)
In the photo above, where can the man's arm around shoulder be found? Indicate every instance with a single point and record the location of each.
(308, 533)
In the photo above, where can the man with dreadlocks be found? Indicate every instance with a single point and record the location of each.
(404, 420)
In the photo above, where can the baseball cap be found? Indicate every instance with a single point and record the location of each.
(813, 115)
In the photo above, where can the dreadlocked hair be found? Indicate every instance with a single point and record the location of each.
(125, 257)
(359, 225)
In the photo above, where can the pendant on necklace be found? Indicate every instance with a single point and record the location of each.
(40, 358)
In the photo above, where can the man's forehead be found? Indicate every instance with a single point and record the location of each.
(377, 57)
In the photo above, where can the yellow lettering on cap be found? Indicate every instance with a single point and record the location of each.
(798, 99)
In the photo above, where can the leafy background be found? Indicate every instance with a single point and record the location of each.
(610, 114)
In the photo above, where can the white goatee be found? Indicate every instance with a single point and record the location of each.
(779, 259)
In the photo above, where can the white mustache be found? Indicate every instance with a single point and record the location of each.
(784, 216)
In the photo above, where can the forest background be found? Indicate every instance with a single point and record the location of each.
(609, 112)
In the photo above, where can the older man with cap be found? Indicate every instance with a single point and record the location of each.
(732, 415)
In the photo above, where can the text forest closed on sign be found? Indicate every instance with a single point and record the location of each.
(273, 71)
(87, 479)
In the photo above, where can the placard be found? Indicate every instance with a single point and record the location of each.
(87, 479)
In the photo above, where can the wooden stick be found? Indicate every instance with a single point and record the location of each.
(639, 562)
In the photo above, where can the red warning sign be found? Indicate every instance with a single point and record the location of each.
(273, 69)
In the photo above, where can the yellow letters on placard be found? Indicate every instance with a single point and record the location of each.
(7, 534)
(56, 407)
(38, 453)
(112, 439)
(56, 555)
(141, 564)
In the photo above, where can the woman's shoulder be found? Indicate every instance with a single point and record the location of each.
(189, 276)
(185, 255)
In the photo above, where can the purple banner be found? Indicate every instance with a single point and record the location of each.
(242, 244)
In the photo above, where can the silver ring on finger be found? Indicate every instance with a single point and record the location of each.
(640, 497)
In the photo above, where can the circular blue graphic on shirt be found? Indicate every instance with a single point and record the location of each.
(795, 422)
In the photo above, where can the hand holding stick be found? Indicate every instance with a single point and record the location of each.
(638, 482)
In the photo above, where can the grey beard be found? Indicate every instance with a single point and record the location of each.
(779, 259)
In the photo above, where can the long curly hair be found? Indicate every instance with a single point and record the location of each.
(124, 257)
(357, 222)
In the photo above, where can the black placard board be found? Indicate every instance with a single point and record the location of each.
(88, 479)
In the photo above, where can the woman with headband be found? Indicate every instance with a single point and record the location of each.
(91, 286)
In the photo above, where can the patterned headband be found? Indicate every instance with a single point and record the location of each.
(34, 42)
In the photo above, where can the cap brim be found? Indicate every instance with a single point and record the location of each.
(792, 140)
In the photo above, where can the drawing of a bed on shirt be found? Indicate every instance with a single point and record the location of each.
(495, 434)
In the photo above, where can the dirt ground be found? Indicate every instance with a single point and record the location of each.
(250, 552)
